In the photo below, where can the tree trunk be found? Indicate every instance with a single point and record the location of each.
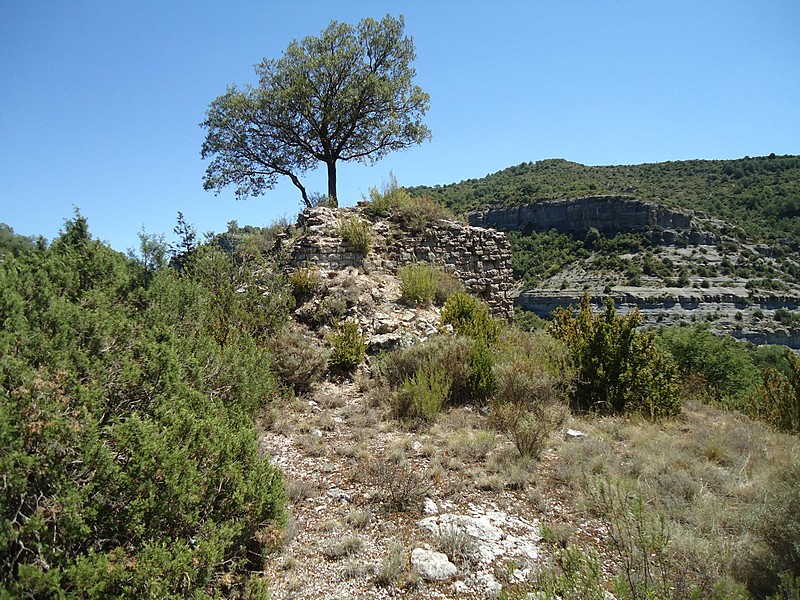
(332, 181)
(300, 187)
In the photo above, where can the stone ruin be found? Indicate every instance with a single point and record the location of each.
(480, 258)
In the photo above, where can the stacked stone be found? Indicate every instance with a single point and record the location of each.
(480, 258)
(322, 246)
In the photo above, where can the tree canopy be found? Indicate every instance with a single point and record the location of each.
(345, 95)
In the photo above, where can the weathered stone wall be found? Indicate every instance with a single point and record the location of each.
(480, 258)
(608, 214)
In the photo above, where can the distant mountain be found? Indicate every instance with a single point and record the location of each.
(760, 195)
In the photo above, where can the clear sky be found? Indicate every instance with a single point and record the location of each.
(100, 101)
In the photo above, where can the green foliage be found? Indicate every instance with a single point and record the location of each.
(348, 347)
(304, 282)
(413, 213)
(721, 361)
(778, 402)
(418, 283)
(303, 360)
(757, 195)
(534, 380)
(527, 320)
(575, 575)
(451, 354)
(345, 95)
(470, 317)
(618, 369)
(12, 243)
(356, 234)
(127, 446)
(421, 284)
(422, 395)
(481, 382)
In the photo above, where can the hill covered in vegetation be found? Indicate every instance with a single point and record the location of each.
(760, 196)
(210, 419)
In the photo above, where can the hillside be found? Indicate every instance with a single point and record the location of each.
(321, 410)
(711, 241)
(760, 195)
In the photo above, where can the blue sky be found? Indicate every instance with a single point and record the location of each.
(100, 102)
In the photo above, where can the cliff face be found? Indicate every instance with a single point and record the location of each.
(608, 214)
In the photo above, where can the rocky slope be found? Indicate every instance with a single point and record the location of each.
(382, 509)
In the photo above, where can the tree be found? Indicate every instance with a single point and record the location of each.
(345, 95)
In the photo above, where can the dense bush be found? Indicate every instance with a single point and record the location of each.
(423, 394)
(778, 401)
(470, 317)
(414, 214)
(303, 359)
(418, 283)
(304, 282)
(348, 347)
(127, 445)
(721, 361)
(421, 284)
(534, 380)
(451, 354)
(618, 369)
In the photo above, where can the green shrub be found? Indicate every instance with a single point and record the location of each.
(356, 234)
(451, 354)
(301, 360)
(127, 445)
(573, 575)
(529, 403)
(446, 285)
(468, 316)
(304, 282)
(418, 283)
(423, 394)
(778, 401)
(415, 214)
(464, 363)
(618, 369)
(529, 425)
(722, 361)
(481, 382)
(348, 347)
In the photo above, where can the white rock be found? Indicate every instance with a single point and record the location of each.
(430, 507)
(433, 566)
(459, 587)
(489, 583)
(574, 433)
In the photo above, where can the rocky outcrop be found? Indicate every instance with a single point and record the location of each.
(608, 214)
(732, 311)
(480, 258)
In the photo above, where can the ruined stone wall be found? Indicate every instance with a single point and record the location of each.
(480, 258)
(608, 214)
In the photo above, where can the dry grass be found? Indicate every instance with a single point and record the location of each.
(703, 476)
